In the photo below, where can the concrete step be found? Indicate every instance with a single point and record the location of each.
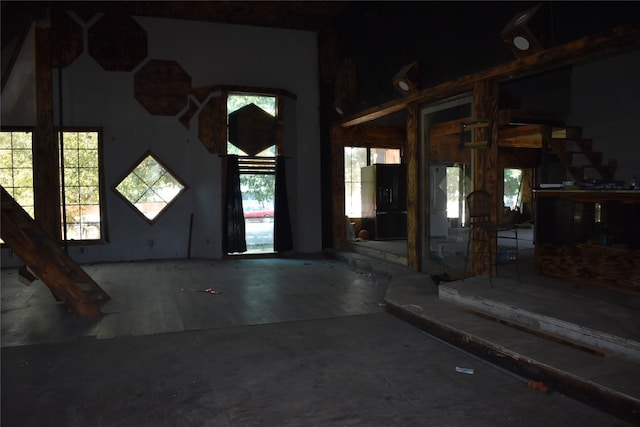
(592, 373)
(552, 314)
(604, 381)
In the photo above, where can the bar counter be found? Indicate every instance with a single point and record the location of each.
(590, 236)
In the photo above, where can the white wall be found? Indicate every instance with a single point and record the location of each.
(211, 54)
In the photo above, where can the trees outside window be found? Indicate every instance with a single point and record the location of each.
(16, 166)
(80, 190)
(79, 178)
(512, 188)
(257, 184)
(150, 187)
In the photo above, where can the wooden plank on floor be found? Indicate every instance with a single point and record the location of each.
(47, 260)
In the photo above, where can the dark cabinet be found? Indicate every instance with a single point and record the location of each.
(384, 200)
(602, 218)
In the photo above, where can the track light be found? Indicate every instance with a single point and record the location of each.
(406, 80)
(524, 34)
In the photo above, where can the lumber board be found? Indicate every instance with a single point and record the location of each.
(66, 279)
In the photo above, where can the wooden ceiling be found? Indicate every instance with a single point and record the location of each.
(298, 15)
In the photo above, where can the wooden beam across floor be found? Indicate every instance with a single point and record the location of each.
(67, 281)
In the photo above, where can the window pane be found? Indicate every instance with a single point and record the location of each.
(258, 194)
(150, 196)
(512, 187)
(454, 199)
(6, 159)
(25, 194)
(355, 158)
(21, 140)
(149, 171)
(236, 101)
(5, 141)
(16, 167)
(385, 155)
(22, 159)
(88, 177)
(132, 188)
(88, 158)
(89, 196)
(81, 185)
(69, 141)
(71, 176)
(23, 178)
(150, 187)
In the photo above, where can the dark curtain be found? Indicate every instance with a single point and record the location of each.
(235, 238)
(282, 239)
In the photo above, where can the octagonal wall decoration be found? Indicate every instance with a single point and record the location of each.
(162, 87)
(252, 129)
(117, 42)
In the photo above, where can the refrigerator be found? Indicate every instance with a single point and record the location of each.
(438, 222)
(384, 201)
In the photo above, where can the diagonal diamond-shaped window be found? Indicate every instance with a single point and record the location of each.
(150, 187)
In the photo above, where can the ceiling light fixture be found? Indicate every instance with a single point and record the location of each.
(406, 80)
(524, 34)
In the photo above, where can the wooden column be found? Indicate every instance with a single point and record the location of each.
(413, 188)
(45, 146)
(485, 162)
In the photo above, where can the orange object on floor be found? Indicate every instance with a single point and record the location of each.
(538, 385)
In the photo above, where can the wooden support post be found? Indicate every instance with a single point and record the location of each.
(45, 144)
(413, 188)
(485, 163)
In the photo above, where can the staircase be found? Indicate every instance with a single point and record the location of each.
(576, 154)
(44, 259)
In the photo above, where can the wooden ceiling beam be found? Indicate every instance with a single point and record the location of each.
(374, 136)
(582, 50)
(297, 15)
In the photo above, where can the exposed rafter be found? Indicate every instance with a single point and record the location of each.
(583, 50)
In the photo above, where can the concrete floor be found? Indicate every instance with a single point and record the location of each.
(286, 342)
